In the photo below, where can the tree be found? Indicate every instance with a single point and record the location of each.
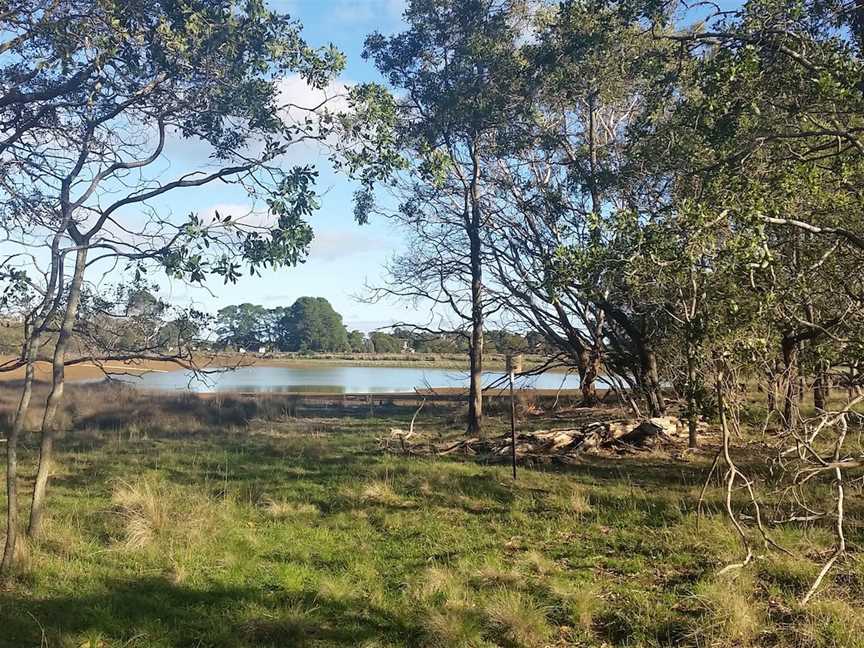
(358, 342)
(386, 342)
(454, 72)
(90, 93)
(779, 110)
(768, 145)
(311, 324)
(242, 326)
(565, 181)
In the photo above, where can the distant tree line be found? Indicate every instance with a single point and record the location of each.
(312, 325)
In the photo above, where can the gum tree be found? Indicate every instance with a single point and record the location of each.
(774, 127)
(455, 75)
(91, 95)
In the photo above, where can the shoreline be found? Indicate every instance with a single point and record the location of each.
(89, 372)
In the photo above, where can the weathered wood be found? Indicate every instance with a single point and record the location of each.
(563, 445)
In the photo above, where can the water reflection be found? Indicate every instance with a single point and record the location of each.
(334, 379)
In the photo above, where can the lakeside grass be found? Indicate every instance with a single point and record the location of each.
(229, 524)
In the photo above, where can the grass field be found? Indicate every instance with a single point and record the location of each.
(229, 524)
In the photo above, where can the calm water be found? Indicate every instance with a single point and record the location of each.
(333, 379)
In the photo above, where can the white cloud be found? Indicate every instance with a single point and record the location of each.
(330, 245)
(297, 98)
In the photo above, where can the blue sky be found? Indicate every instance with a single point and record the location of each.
(345, 257)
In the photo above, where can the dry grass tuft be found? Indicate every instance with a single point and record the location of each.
(493, 575)
(474, 504)
(145, 511)
(516, 620)
(151, 509)
(21, 560)
(338, 588)
(582, 600)
(577, 500)
(536, 563)
(438, 584)
(732, 617)
(380, 491)
(831, 623)
(452, 627)
(278, 509)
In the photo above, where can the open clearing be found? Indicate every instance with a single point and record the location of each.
(226, 522)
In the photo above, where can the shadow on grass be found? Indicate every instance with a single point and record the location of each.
(154, 611)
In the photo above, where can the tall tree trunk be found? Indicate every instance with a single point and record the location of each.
(30, 351)
(651, 384)
(789, 348)
(692, 389)
(475, 396)
(473, 225)
(588, 365)
(772, 387)
(55, 397)
(595, 353)
(12, 458)
(592, 358)
(821, 385)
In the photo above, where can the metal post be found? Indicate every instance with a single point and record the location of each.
(513, 423)
(511, 371)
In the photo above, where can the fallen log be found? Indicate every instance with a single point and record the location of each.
(562, 445)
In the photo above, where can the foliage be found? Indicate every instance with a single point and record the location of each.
(386, 342)
(311, 324)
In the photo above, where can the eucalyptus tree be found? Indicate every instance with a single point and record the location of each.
(568, 178)
(245, 326)
(456, 74)
(779, 114)
(91, 93)
(773, 126)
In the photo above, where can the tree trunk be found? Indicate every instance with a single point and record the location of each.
(590, 364)
(475, 402)
(12, 458)
(821, 386)
(587, 378)
(30, 351)
(651, 384)
(473, 225)
(55, 397)
(819, 391)
(772, 388)
(790, 396)
(692, 388)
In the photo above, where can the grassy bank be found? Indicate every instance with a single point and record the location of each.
(228, 522)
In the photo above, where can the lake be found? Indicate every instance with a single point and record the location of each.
(333, 379)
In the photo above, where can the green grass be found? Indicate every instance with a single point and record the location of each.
(298, 532)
